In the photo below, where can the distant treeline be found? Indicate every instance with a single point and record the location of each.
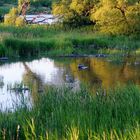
(36, 6)
(108, 16)
(112, 16)
(37, 3)
(7, 1)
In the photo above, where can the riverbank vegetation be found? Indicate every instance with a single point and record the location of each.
(84, 27)
(65, 114)
(55, 40)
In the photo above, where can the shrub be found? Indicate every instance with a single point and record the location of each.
(20, 21)
(9, 19)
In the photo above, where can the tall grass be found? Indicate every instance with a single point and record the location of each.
(61, 41)
(2, 50)
(64, 114)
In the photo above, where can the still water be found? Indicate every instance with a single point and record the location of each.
(21, 81)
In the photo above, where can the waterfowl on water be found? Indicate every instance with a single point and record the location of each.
(82, 67)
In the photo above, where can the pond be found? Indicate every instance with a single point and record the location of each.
(21, 81)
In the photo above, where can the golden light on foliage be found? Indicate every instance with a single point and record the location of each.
(110, 16)
(105, 74)
(10, 18)
(75, 12)
(20, 21)
(13, 17)
(118, 16)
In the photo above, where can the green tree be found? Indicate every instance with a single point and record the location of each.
(10, 18)
(117, 16)
(74, 12)
(13, 17)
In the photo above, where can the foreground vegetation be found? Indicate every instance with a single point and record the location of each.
(64, 114)
(103, 27)
(57, 40)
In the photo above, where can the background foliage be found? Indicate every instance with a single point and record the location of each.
(108, 16)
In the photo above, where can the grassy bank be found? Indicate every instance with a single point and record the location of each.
(53, 40)
(63, 114)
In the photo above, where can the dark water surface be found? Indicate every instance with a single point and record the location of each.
(21, 81)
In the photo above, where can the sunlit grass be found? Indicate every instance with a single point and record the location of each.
(55, 40)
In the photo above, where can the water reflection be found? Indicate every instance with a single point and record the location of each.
(106, 74)
(33, 81)
(39, 74)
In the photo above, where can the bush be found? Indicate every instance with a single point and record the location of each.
(20, 21)
(9, 19)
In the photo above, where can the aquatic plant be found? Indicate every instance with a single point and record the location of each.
(63, 114)
(34, 40)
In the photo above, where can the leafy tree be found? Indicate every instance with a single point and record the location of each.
(13, 17)
(10, 18)
(20, 21)
(20, 3)
(74, 12)
(117, 16)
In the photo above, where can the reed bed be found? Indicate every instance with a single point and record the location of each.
(34, 40)
(62, 114)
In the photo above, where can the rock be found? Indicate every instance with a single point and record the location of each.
(3, 58)
(100, 55)
(69, 79)
(136, 63)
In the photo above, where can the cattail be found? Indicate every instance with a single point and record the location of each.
(97, 93)
(4, 134)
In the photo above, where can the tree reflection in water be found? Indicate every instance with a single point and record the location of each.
(105, 74)
(33, 81)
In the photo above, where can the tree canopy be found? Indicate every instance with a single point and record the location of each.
(13, 17)
(74, 12)
(117, 16)
(110, 16)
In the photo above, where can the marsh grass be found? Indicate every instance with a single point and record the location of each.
(63, 114)
(2, 50)
(55, 40)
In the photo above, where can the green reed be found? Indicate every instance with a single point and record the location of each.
(60, 113)
(55, 40)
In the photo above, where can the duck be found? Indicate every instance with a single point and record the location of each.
(82, 67)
